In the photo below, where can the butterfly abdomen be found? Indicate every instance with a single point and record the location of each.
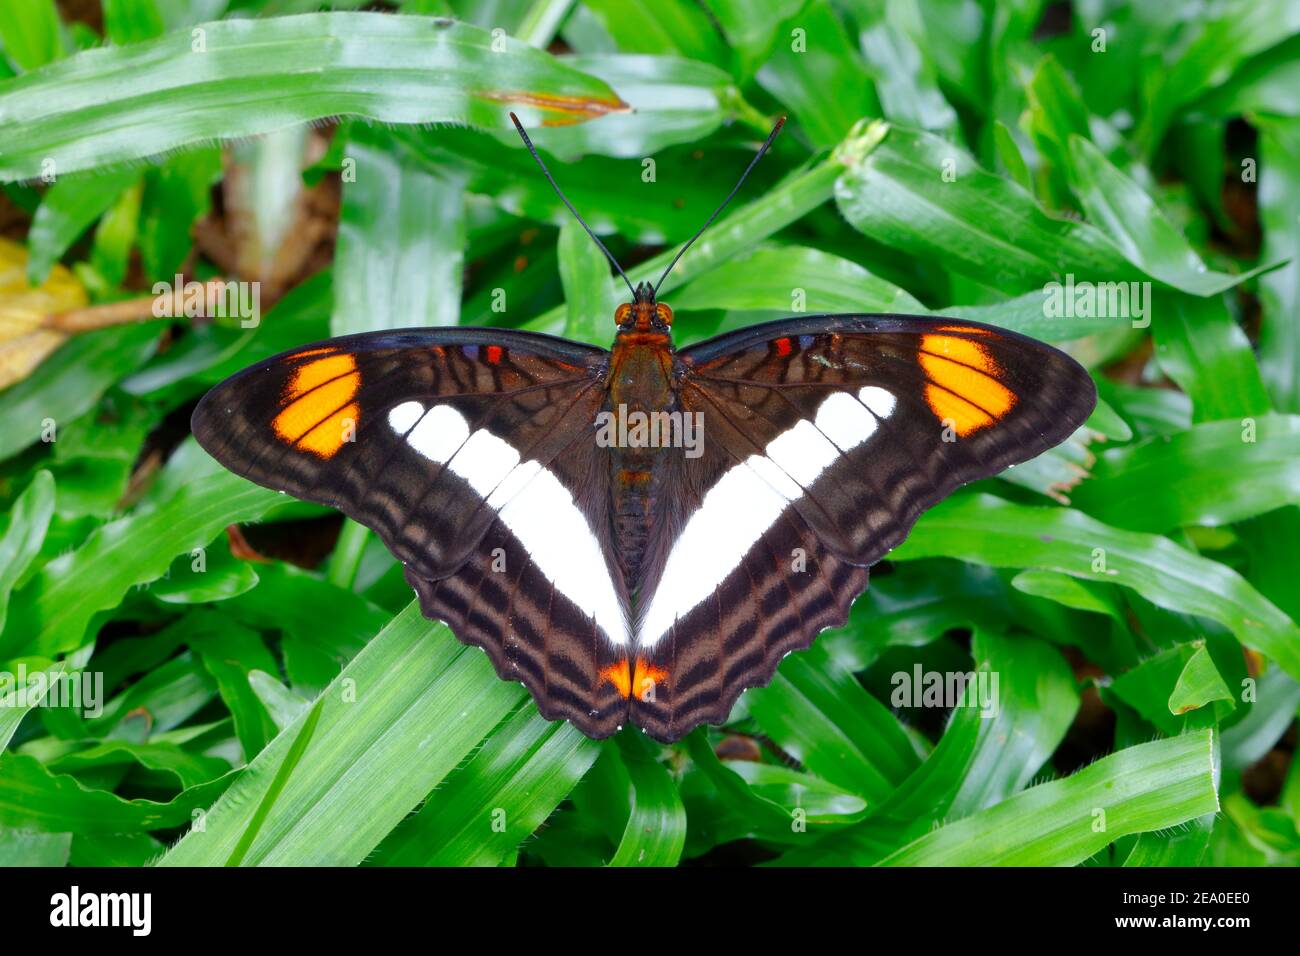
(634, 512)
(641, 403)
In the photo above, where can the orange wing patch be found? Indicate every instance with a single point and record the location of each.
(646, 678)
(319, 414)
(641, 681)
(620, 675)
(964, 383)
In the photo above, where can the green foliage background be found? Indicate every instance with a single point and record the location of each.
(942, 155)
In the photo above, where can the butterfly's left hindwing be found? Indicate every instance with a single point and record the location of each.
(825, 438)
(470, 453)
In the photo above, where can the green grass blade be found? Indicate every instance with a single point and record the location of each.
(673, 101)
(1200, 346)
(324, 625)
(130, 21)
(34, 798)
(67, 209)
(791, 279)
(660, 26)
(1036, 702)
(542, 20)
(485, 809)
(1178, 847)
(975, 223)
(1199, 684)
(13, 708)
(814, 54)
(1218, 45)
(610, 193)
(590, 292)
(988, 530)
(1279, 291)
(238, 78)
(401, 241)
(414, 689)
(71, 381)
(1149, 787)
(818, 713)
(1117, 204)
(301, 740)
(981, 759)
(656, 827)
(745, 228)
(31, 33)
(25, 848)
(21, 533)
(1215, 473)
(1277, 698)
(50, 614)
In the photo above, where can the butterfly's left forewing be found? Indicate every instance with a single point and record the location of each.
(470, 453)
(824, 439)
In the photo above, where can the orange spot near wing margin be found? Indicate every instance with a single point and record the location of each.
(641, 680)
(965, 383)
(646, 678)
(318, 414)
(620, 675)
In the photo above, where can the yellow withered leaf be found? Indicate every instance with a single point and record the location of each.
(25, 311)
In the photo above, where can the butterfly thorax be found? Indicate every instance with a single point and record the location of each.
(641, 399)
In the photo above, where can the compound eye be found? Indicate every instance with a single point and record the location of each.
(621, 313)
(664, 313)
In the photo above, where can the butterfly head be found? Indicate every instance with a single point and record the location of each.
(643, 313)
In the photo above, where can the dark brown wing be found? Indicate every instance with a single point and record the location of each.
(470, 452)
(825, 439)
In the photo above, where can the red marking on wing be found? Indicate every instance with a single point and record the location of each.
(494, 354)
(782, 347)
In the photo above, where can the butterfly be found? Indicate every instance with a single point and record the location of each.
(639, 534)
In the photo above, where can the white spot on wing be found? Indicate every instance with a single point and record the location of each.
(514, 483)
(780, 482)
(436, 434)
(536, 507)
(735, 511)
(880, 401)
(748, 499)
(845, 421)
(484, 461)
(543, 516)
(402, 417)
(802, 452)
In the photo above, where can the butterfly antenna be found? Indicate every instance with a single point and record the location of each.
(565, 199)
(734, 189)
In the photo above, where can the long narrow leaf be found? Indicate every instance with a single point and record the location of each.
(1148, 787)
(414, 689)
(988, 530)
(238, 78)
